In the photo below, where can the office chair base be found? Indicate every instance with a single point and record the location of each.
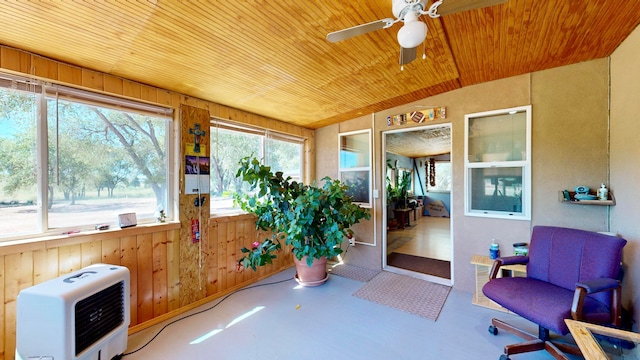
(533, 342)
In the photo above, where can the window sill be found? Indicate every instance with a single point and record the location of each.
(53, 241)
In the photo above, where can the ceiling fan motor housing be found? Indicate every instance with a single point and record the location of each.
(401, 7)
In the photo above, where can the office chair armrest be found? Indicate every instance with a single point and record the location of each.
(598, 285)
(507, 260)
(514, 260)
(584, 288)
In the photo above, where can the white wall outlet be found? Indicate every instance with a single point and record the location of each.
(352, 241)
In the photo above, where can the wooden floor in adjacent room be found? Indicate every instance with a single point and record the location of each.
(430, 237)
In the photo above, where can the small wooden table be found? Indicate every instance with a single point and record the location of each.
(483, 266)
(417, 210)
(582, 333)
(402, 215)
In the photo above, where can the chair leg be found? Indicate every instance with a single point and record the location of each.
(514, 330)
(553, 350)
(535, 343)
(567, 348)
(525, 347)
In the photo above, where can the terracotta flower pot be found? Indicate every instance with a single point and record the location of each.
(313, 275)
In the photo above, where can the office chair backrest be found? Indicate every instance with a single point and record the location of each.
(565, 256)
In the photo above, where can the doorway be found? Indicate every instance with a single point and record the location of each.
(418, 240)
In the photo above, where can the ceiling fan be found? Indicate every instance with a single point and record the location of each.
(414, 31)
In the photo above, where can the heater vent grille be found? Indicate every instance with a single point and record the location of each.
(99, 314)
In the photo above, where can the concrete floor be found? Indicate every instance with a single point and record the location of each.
(282, 321)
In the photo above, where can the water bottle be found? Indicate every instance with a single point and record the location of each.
(494, 251)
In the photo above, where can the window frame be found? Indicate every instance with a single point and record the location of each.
(265, 134)
(44, 92)
(342, 170)
(524, 164)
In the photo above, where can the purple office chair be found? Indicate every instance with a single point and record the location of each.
(571, 274)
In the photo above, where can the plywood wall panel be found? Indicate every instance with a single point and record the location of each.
(70, 259)
(18, 276)
(129, 258)
(222, 254)
(173, 270)
(111, 251)
(91, 253)
(92, 79)
(69, 74)
(219, 111)
(15, 60)
(163, 97)
(43, 67)
(245, 230)
(113, 85)
(148, 93)
(212, 263)
(231, 258)
(131, 89)
(160, 304)
(193, 276)
(144, 245)
(45, 265)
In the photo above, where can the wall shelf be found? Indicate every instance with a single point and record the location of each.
(610, 201)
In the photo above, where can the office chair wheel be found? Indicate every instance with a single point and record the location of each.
(505, 357)
(494, 331)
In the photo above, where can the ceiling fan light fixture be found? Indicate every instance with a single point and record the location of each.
(412, 34)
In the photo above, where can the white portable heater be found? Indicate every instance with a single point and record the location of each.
(83, 315)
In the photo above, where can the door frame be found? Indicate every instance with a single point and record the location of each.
(385, 266)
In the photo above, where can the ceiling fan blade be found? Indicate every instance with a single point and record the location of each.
(407, 55)
(359, 30)
(454, 6)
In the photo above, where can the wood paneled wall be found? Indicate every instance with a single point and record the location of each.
(227, 236)
(151, 253)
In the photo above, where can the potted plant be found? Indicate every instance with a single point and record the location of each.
(398, 195)
(314, 220)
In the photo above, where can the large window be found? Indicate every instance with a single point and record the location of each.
(355, 165)
(498, 163)
(18, 159)
(231, 142)
(70, 160)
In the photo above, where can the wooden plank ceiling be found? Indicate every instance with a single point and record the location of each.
(270, 57)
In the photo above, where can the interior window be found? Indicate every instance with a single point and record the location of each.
(498, 163)
(231, 142)
(355, 165)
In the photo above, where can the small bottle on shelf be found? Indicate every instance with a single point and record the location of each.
(603, 192)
